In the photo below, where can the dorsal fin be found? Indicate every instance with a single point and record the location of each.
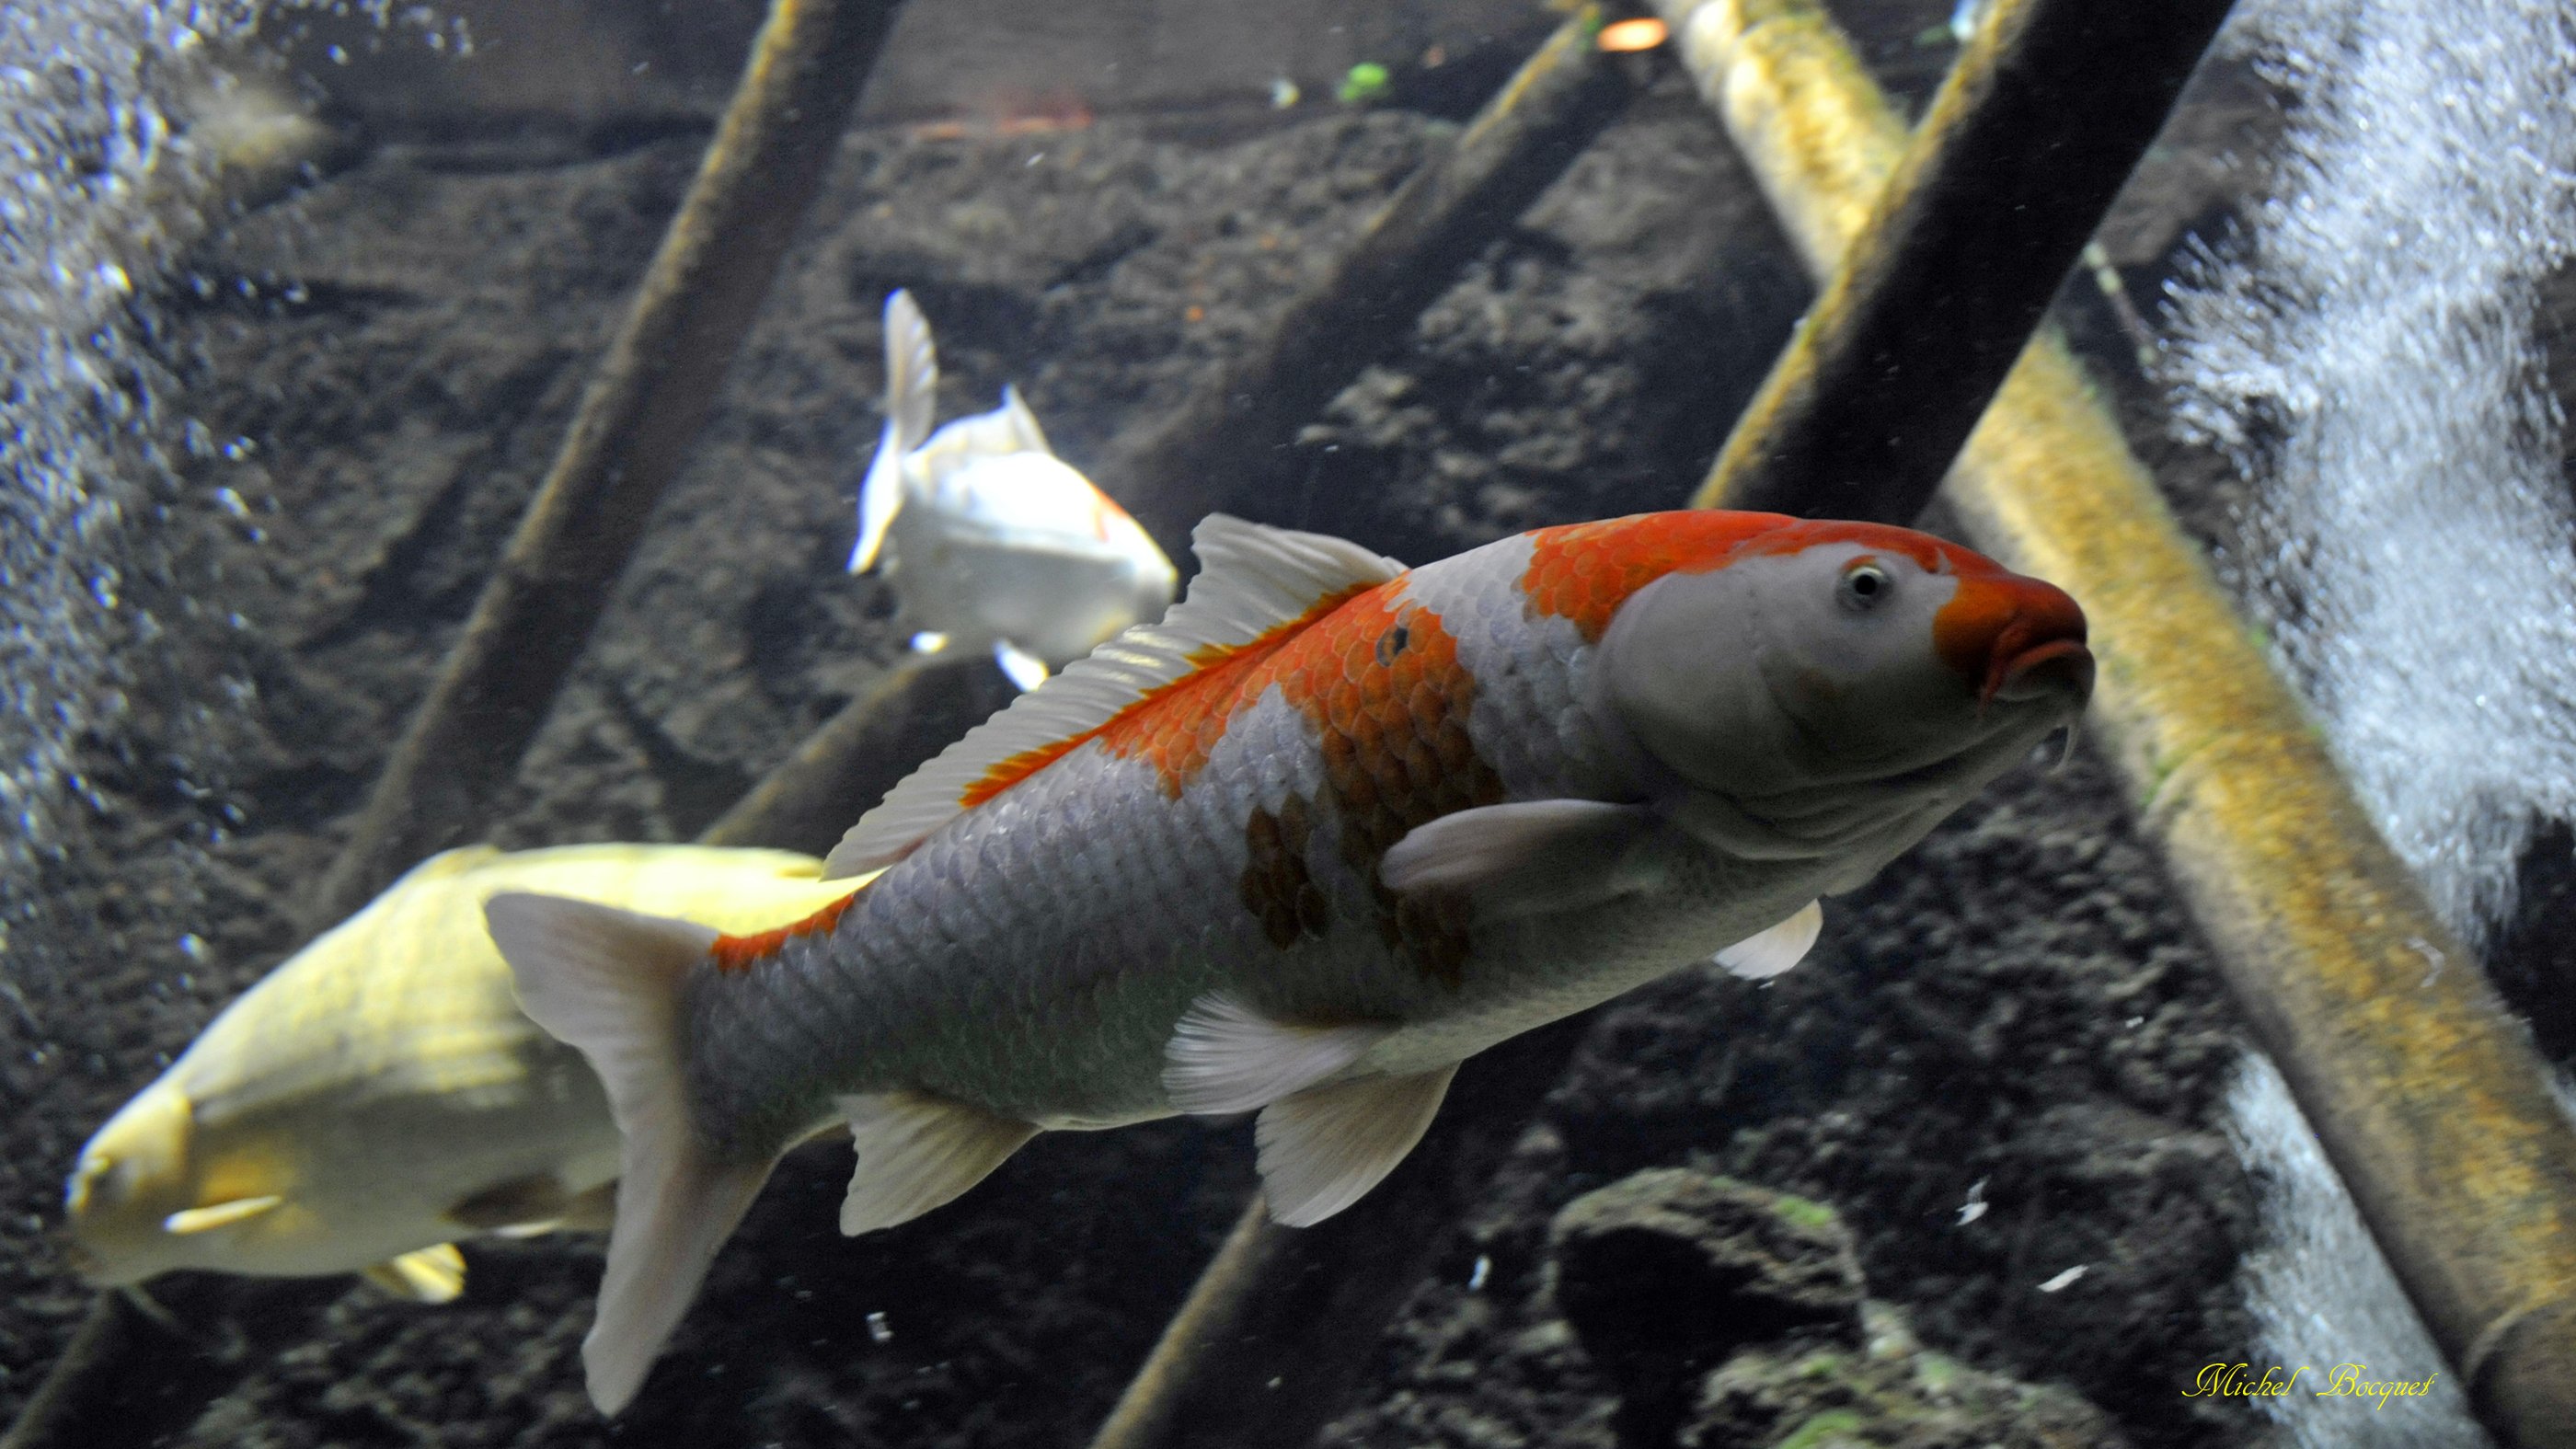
(1252, 581)
(1010, 428)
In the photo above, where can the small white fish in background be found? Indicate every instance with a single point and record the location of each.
(991, 540)
(1976, 1205)
(2063, 1281)
(380, 1094)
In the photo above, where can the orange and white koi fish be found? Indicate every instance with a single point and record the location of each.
(992, 541)
(1328, 829)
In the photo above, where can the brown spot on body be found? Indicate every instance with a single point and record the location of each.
(1382, 685)
(1276, 885)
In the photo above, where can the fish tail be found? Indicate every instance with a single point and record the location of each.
(608, 982)
(911, 402)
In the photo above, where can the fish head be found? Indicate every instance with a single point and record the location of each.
(132, 1175)
(1810, 665)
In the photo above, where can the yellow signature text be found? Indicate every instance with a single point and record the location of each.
(2343, 1381)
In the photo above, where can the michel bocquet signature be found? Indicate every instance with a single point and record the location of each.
(2343, 1381)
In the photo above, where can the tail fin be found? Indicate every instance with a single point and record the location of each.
(911, 402)
(608, 983)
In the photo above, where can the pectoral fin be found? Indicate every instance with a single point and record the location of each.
(1769, 952)
(917, 1152)
(1322, 1150)
(218, 1215)
(1226, 1057)
(427, 1275)
(1528, 857)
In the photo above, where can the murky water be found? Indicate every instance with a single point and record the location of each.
(98, 192)
(2362, 348)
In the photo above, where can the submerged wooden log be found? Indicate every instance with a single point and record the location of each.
(2425, 1093)
(2045, 113)
(627, 441)
(1211, 452)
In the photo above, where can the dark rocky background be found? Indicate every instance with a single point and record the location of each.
(382, 363)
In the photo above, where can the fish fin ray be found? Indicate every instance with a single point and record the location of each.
(218, 1215)
(1006, 430)
(1774, 949)
(1023, 423)
(1524, 857)
(608, 983)
(911, 401)
(1323, 1149)
(918, 1152)
(1253, 580)
(435, 1274)
(1226, 1057)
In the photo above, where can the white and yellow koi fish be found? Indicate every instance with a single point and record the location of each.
(380, 1094)
(1325, 831)
(992, 541)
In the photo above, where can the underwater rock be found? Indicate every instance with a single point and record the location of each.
(1894, 1394)
(1732, 1317)
(1667, 1272)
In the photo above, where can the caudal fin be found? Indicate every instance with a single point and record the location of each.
(911, 402)
(607, 982)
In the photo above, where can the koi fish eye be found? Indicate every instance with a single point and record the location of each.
(1864, 585)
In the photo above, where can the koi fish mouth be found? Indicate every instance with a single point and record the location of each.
(2056, 667)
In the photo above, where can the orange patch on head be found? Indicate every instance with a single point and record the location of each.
(1585, 571)
(1937, 555)
(741, 953)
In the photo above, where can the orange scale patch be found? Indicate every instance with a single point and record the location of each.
(1176, 725)
(1389, 701)
(740, 953)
